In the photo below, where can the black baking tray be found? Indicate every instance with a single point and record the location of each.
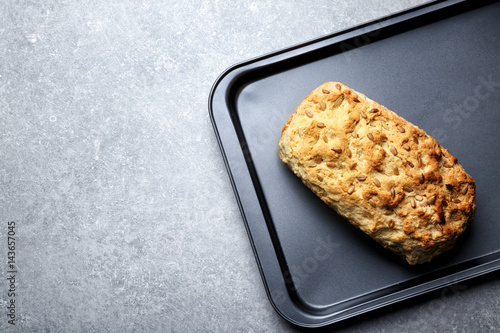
(438, 66)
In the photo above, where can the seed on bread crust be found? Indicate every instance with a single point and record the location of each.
(464, 189)
(431, 200)
(419, 161)
(394, 151)
(338, 101)
(413, 203)
(350, 190)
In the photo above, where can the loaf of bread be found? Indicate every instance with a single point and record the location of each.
(386, 176)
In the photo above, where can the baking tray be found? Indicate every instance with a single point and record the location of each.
(438, 66)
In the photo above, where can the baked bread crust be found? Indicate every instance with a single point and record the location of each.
(386, 176)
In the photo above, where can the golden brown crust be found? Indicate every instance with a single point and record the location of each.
(385, 175)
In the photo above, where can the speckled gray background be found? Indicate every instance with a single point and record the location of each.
(125, 216)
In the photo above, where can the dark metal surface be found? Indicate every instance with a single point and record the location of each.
(437, 66)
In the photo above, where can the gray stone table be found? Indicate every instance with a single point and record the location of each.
(125, 219)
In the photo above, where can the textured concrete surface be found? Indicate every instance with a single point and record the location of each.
(125, 216)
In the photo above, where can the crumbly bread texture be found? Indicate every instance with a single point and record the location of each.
(385, 175)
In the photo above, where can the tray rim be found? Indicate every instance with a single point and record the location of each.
(475, 267)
